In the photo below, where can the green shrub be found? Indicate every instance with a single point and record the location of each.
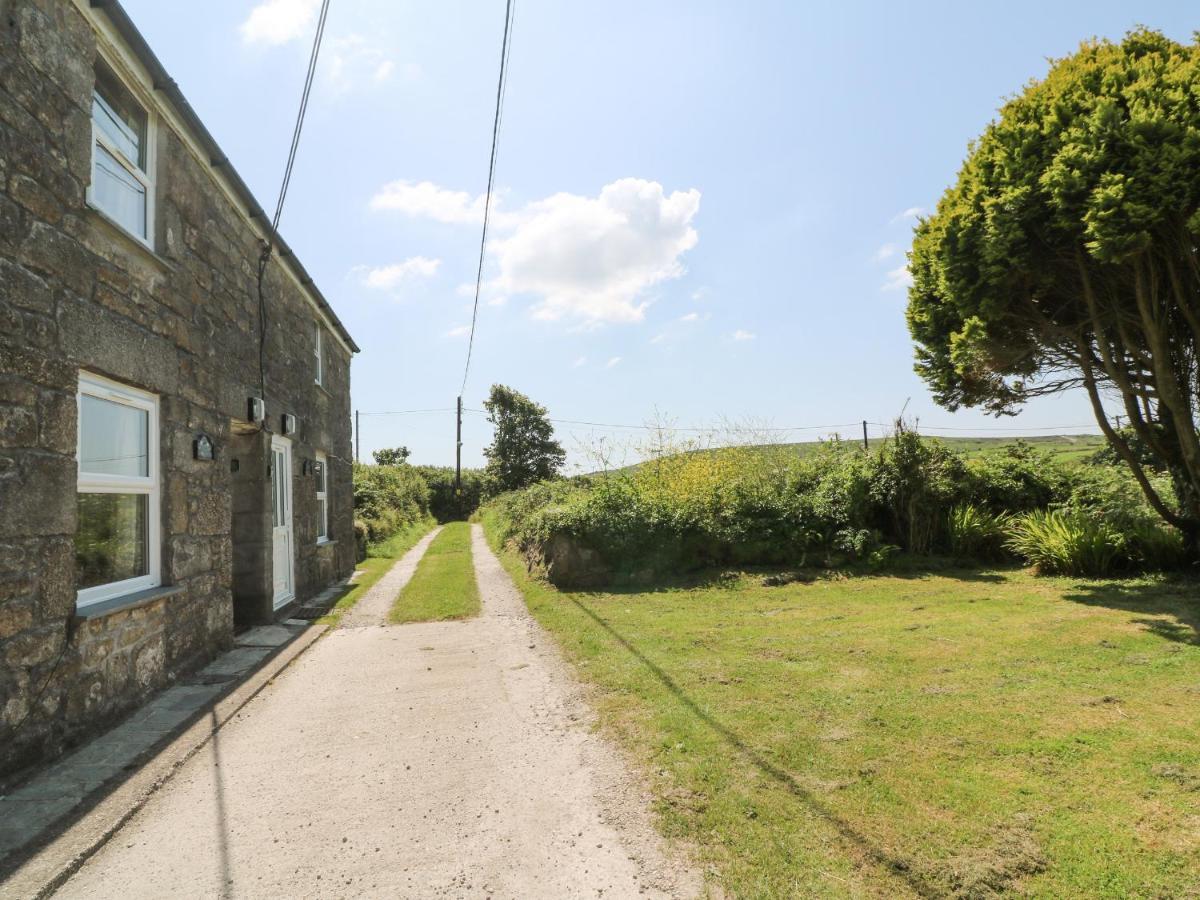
(1153, 547)
(1020, 478)
(447, 505)
(388, 498)
(764, 506)
(914, 481)
(977, 533)
(1064, 543)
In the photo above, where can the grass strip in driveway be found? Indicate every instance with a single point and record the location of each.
(444, 584)
(380, 558)
(959, 733)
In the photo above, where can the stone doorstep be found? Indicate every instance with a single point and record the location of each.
(69, 792)
(322, 603)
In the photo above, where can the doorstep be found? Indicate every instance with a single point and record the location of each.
(54, 821)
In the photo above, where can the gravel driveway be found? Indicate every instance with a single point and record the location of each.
(450, 759)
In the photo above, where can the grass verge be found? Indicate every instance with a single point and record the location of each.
(968, 733)
(443, 587)
(380, 558)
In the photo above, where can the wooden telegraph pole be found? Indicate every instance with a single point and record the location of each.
(866, 444)
(458, 452)
(357, 433)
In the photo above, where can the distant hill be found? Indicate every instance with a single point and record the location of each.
(1072, 448)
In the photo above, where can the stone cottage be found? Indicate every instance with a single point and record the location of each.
(175, 455)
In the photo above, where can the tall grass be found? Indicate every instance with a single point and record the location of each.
(1063, 543)
(977, 533)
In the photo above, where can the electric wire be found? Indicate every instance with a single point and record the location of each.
(268, 245)
(501, 85)
(774, 428)
(408, 412)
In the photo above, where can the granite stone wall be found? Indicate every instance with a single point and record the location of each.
(181, 321)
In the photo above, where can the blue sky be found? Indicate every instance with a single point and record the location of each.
(703, 207)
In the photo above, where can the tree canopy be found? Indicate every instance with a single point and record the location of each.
(523, 449)
(1065, 255)
(391, 456)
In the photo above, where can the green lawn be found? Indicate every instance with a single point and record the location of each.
(443, 586)
(380, 558)
(966, 733)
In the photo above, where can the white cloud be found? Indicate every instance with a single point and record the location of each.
(389, 277)
(887, 251)
(276, 22)
(658, 338)
(593, 258)
(430, 201)
(699, 294)
(898, 279)
(459, 331)
(695, 317)
(612, 362)
(355, 59)
(581, 361)
(911, 213)
(741, 335)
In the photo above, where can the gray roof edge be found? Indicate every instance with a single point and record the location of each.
(217, 159)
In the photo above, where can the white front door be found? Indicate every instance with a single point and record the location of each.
(281, 519)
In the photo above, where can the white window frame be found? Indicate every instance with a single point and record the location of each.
(318, 342)
(146, 177)
(90, 483)
(323, 499)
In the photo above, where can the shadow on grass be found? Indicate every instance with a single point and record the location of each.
(912, 568)
(1175, 604)
(897, 866)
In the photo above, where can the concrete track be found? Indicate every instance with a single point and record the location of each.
(451, 759)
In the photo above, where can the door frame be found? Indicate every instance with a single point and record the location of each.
(278, 601)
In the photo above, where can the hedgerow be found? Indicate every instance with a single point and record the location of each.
(386, 499)
(759, 506)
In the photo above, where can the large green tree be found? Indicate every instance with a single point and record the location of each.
(391, 456)
(523, 449)
(1065, 255)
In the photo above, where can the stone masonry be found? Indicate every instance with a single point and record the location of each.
(181, 321)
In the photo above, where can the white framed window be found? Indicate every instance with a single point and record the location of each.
(322, 497)
(122, 157)
(117, 538)
(319, 371)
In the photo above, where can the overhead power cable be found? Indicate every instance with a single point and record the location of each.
(785, 428)
(501, 85)
(268, 246)
(1054, 428)
(409, 412)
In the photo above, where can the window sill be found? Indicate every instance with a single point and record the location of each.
(124, 602)
(119, 231)
(326, 542)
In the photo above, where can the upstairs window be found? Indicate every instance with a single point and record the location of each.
(116, 544)
(319, 370)
(322, 474)
(122, 187)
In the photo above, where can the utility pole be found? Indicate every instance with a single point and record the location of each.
(866, 444)
(458, 452)
(357, 433)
